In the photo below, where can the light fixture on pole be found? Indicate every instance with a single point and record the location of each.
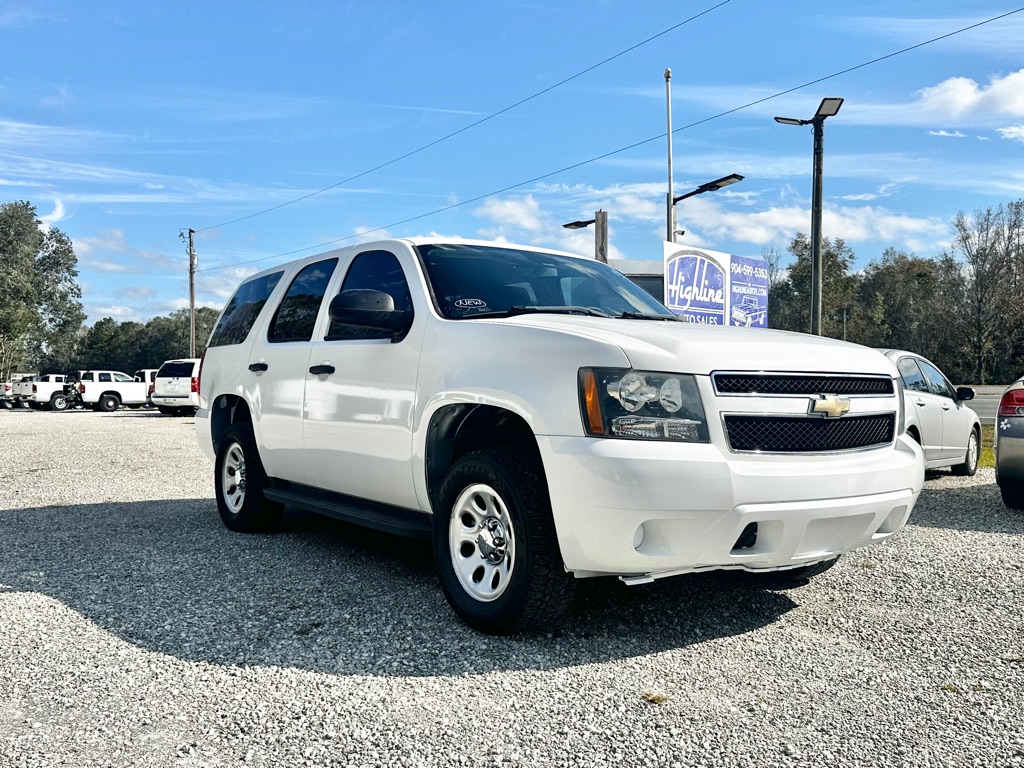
(828, 108)
(600, 233)
(710, 186)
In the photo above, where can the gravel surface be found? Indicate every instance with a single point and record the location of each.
(136, 631)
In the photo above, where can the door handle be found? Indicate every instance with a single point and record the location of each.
(320, 369)
(921, 403)
(258, 366)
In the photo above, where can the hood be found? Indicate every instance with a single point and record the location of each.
(702, 349)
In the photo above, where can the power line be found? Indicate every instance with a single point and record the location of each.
(628, 147)
(467, 127)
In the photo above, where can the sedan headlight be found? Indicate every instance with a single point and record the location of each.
(644, 405)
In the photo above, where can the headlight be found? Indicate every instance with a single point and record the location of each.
(645, 405)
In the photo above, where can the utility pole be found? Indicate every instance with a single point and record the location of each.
(601, 236)
(191, 293)
(670, 213)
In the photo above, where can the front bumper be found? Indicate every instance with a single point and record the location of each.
(651, 509)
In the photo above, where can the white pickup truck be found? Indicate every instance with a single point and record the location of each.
(109, 390)
(543, 420)
(46, 391)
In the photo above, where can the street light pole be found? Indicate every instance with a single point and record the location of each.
(670, 214)
(710, 186)
(817, 280)
(828, 108)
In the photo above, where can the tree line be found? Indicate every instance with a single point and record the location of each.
(963, 309)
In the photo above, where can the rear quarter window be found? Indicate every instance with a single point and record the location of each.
(242, 310)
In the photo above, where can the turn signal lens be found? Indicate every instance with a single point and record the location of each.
(591, 406)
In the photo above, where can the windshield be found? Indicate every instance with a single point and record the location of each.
(476, 280)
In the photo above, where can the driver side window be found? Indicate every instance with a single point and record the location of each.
(378, 271)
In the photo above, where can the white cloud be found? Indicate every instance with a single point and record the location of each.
(110, 251)
(962, 96)
(948, 134)
(1014, 133)
(517, 213)
(59, 100)
(135, 292)
(57, 214)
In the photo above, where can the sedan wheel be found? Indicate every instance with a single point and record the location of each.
(970, 465)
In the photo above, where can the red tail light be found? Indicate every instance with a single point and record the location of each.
(199, 373)
(81, 388)
(1012, 403)
(151, 388)
(35, 389)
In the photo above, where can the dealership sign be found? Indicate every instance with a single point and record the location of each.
(716, 288)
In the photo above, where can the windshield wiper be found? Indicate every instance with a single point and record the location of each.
(649, 316)
(556, 310)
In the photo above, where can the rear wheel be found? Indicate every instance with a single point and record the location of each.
(109, 403)
(495, 545)
(59, 402)
(239, 482)
(970, 465)
(1012, 492)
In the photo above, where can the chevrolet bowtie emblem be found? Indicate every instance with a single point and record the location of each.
(830, 406)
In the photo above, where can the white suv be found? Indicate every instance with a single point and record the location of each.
(543, 419)
(175, 389)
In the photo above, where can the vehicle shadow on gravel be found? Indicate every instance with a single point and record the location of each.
(966, 508)
(329, 597)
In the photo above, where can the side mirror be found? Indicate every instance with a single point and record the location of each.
(369, 310)
(964, 393)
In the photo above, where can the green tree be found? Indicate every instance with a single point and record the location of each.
(789, 300)
(899, 298)
(40, 307)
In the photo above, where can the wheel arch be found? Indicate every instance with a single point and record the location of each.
(225, 411)
(456, 429)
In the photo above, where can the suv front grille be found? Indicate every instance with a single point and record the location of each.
(800, 384)
(803, 434)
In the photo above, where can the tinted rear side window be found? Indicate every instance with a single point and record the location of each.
(296, 316)
(241, 312)
(169, 370)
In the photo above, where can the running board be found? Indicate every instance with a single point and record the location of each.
(381, 517)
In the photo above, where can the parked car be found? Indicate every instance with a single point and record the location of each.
(175, 389)
(1009, 445)
(147, 375)
(949, 432)
(46, 391)
(109, 390)
(544, 419)
(6, 394)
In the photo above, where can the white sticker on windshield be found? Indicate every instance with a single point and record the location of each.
(470, 303)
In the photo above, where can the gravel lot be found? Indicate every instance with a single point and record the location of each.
(136, 631)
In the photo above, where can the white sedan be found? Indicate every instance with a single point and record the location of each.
(949, 432)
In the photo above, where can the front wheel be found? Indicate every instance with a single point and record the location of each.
(495, 545)
(970, 465)
(239, 482)
(109, 403)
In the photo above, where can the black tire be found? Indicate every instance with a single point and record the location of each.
(795, 577)
(244, 509)
(1012, 492)
(108, 403)
(532, 586)
(21, 404)
(970, 466)
(59, 402)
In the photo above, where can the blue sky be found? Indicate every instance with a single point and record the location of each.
(125, 122)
